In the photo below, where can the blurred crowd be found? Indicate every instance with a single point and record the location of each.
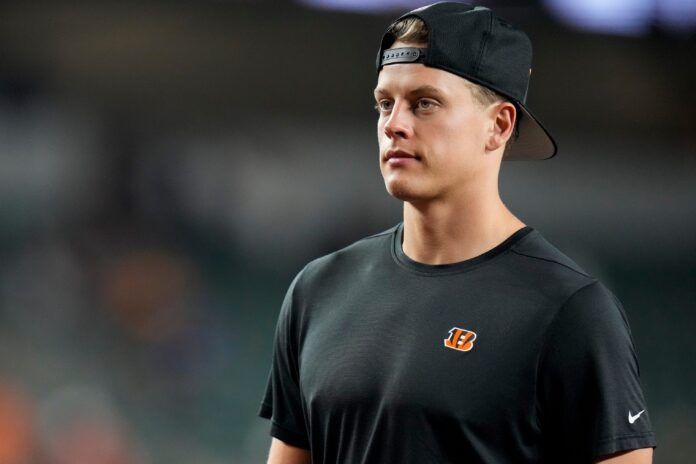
(120, 320)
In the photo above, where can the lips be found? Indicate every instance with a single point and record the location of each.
(396, 154)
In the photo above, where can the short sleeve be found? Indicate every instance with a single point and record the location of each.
(282, 402)
(589, 394)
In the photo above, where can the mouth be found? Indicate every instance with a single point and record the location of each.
(397, 155)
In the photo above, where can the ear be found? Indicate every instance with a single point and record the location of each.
(503, 117)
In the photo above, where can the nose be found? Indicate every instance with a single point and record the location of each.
(399, 123)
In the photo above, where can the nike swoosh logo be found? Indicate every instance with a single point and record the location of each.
(632, 419)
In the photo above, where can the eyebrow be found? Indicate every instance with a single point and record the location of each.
(429, 89)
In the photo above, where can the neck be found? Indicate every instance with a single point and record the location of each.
(442, 232)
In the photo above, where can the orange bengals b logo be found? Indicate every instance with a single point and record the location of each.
(460, 339)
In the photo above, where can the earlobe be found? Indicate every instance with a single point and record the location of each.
(493, 142)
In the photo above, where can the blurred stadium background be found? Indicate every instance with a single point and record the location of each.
(167, 167)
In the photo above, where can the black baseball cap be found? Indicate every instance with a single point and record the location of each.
(471, 42)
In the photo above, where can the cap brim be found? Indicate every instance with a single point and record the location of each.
(534, 141)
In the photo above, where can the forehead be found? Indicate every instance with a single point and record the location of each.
(405, 77)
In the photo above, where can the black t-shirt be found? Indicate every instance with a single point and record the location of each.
(514, 356)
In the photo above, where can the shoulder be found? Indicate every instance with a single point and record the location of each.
(539, 265)
(358, 255)
(597, 311)
(558, 283)
(546, 256)
(580, 300)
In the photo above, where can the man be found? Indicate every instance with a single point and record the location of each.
(460, 335)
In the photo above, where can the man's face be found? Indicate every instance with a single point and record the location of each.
(432, 134)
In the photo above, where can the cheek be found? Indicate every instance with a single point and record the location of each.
(463, 134)
(380, 131)
(449, 140)
(458, 146)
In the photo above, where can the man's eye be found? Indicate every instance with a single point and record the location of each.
(424, 104)
(383, 105)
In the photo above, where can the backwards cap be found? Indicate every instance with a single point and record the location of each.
(473, 43)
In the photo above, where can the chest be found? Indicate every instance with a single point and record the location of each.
(431, 351)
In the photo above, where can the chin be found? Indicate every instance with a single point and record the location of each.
(405, 191)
